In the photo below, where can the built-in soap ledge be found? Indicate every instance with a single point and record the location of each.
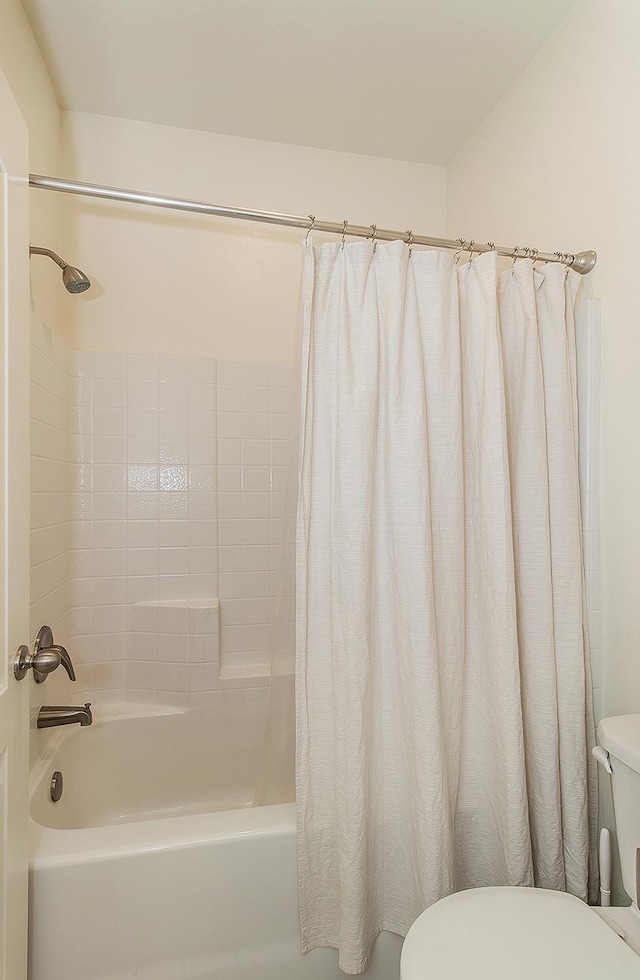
(194, 617)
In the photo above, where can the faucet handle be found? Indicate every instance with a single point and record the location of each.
(45, 658)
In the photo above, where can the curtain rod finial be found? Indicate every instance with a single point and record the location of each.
(584, 262)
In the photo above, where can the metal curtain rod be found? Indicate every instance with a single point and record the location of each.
(581, 262)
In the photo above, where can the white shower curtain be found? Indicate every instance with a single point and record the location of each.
(444, 720)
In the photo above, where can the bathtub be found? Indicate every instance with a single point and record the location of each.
(155, 865)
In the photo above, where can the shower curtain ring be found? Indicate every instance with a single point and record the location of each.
(344, 231)
(374, 232)
(469, 249)
(461, 243)
(409, 241)
(312, 219)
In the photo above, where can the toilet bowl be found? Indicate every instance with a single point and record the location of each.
(510, 933)
(515, 934)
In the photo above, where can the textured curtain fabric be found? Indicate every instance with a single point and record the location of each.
(444, 720)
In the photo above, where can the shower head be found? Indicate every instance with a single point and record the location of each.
(75, 280)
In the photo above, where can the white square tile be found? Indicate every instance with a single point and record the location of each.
(142, 506)
(141, 675)
(142, 395)
(142, 561)
(202, 533)
(176, 369)
(255, 399)
(203, 561)
(202, 397)
(173, 648)
(255, 425)
(142, 422)
(254, 373)
(110, 619)
(108, 421)
(202, 369)
(229, 425)
(202, 478)
(173, 677)
(173, 534)
(173, 561)
(109, 476)
(106, 507)
(228, 398)
(202, 506)
(203, 648)
(108, 365)
(142, 477)
(245, 612)
(173, 396)
(282, 375)
(204, 677)
(108, 394)
(142, 534)
(255, 558)
(256, 478)
(141, 449)
(142, 588)
(230, 558)
(284, 453)
(229, 451)
(228, 372)
(255, 452)
(109, 449)
(244, 585)
(109, 647)
(173, 506)
(142, 367)
(203, 619)
(109, 561)
(229, 532)
(281, 401)
(174, 422)
(255, 532)
(174, 478)
(281, 427)
(143, 617)
(173, 619)
(174, 449)
(230, 506)
(229, 478)
(255, 505)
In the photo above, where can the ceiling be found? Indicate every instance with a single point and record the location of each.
(408, 79)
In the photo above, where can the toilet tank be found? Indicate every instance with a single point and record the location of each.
(620, 736)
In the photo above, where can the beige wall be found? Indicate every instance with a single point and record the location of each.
(23, 66)
(556, 166)
(174, 283)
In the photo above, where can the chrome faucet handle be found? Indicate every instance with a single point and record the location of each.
(63, 658)
(45, 658)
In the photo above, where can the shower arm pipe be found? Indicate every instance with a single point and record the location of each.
(582, 262)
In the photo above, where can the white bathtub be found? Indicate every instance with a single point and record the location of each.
(155, 866)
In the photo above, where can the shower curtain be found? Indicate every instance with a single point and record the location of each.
(444, 721)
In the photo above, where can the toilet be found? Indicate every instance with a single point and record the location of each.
(534, 934)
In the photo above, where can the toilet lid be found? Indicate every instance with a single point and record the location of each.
(514, 934)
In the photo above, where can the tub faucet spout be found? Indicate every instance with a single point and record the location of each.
(51, 716)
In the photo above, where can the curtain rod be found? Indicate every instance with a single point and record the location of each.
(582, 262)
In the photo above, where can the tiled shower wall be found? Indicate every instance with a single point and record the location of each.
(168, 500)
(158, 488)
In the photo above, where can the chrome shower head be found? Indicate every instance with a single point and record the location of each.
(75, 280)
